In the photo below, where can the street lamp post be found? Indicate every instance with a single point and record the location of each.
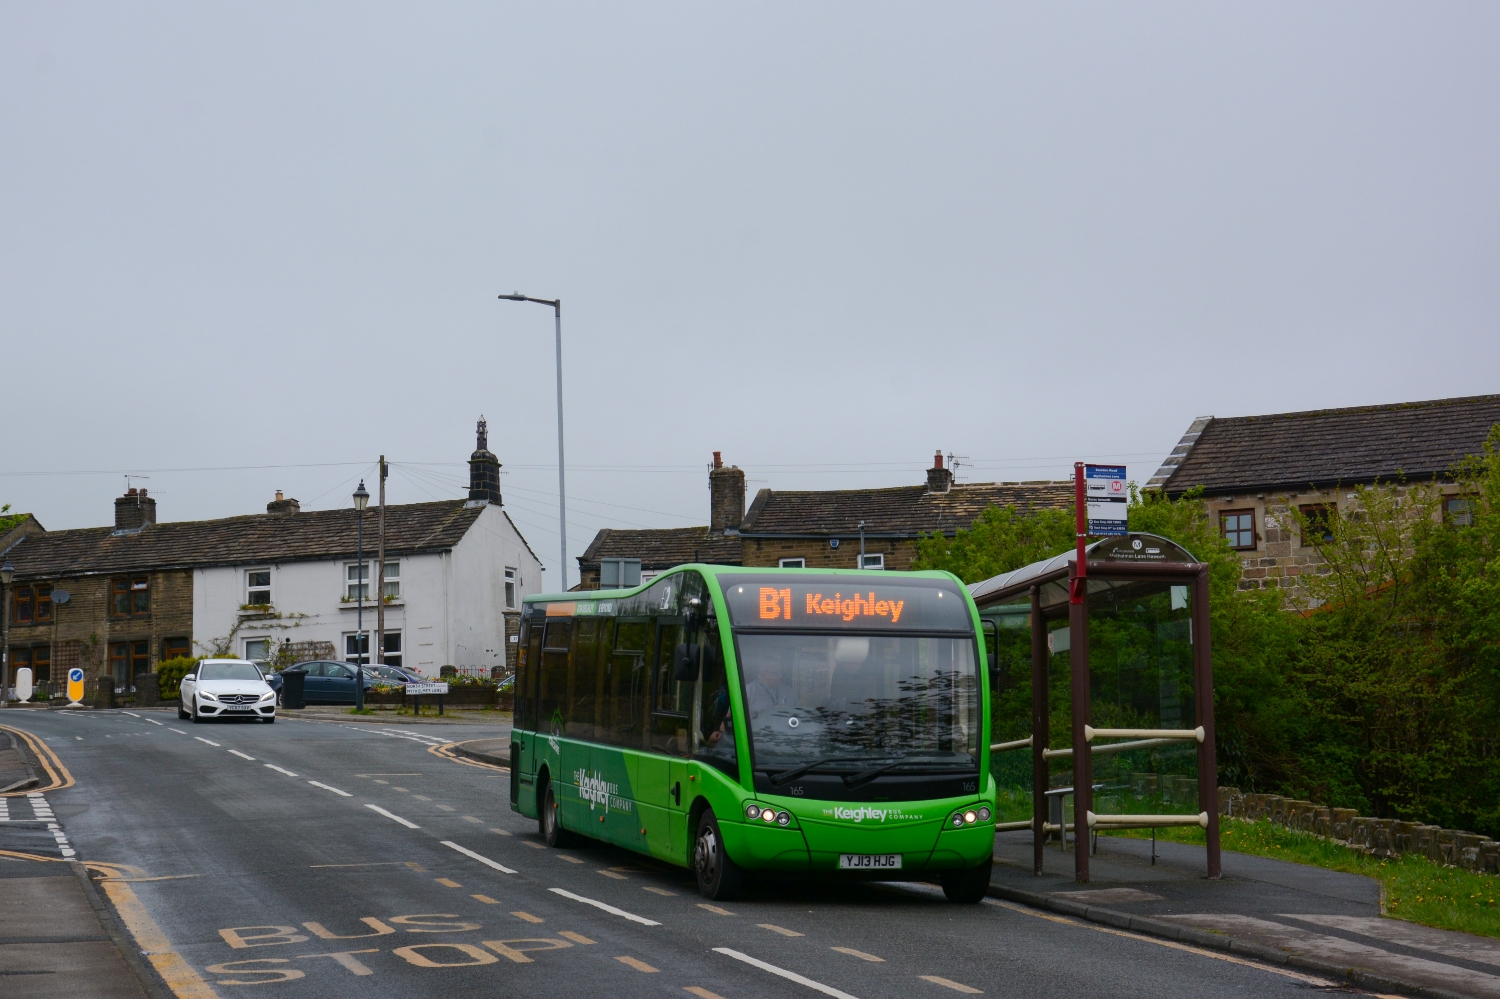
(562, 492)
(7, 573)
(361, 500)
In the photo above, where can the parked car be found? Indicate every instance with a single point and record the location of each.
(232, 688)
(393, 674)
(331, 682)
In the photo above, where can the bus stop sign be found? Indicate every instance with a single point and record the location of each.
(1105, 487)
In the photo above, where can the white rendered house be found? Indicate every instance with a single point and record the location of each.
(455, 574)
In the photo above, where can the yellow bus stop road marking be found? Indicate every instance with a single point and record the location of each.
(571, 860)
(702, 993)
(528, 917)
(180, 977)
(612, 874)
(635, 963)
(946, 983)
(660, 891)
(486, 899)
(578, 938)
(714, 909)
(859, 954)
(448, 882)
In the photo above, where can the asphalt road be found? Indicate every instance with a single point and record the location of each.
(327, 858)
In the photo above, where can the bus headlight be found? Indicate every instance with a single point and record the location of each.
(971, 816)
(984, 813)
(752, 811)
(958, 819)
(768, 814)
(783, 818)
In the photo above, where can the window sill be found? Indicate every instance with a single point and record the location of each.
(370, 605)
(259, 610)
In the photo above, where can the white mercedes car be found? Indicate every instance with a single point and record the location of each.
(226, 688)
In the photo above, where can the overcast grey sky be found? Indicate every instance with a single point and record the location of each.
(825, 239)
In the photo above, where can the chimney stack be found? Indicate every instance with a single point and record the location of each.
(282, 507)
(726, 489)
(939, 479)
(484, 468)
(134, 510)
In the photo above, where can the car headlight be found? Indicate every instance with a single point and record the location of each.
(205, 695)
(268, 695)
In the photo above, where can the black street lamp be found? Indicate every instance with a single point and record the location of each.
(7, 573)
(562, 492)
(361, 500)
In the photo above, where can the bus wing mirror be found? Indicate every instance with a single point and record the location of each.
(685, 662)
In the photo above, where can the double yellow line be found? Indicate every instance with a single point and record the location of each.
(56, 772)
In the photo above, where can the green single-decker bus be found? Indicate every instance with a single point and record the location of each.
(734, 719)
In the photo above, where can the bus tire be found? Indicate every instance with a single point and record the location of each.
(549, 823)
(968, 886)
(719, 878)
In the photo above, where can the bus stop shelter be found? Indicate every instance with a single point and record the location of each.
(1112, 694)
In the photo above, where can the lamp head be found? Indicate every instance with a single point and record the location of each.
(515, 296)
(361, 497)
(7, 572)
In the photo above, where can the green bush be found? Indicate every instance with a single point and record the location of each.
(169, 674)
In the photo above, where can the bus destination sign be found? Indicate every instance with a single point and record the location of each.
(844, 603)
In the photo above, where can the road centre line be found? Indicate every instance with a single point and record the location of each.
(391, 815)
(470, 853)
(236, 752)
(280, 770)
(209, 741)
(790, 976)
(154, 722)
(130, 713)
(606, 907)
(1170, 944)
(327, 787)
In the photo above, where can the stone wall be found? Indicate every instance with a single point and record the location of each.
(1377, 837)
(899, 552)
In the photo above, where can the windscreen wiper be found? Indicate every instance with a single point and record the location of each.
(795, 772)
(859, 780)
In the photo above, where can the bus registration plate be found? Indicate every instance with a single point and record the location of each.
(869, 861)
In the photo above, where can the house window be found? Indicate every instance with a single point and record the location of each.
(357, 648)
(44, 602)
(510, 588)
(41, 663)
(1238, 527)
(24, 606)
(129, 596)
(1459, 512)
(20, 659)
(392, 642)
(258, 587)
(258, 648)
(175, 648)
(1317, 524)
(873, 561)
(126, 659)
(392, 588)
(119, 661)
(793, 563)
(358, 581)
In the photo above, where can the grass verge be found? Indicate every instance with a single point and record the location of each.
(1416, 889)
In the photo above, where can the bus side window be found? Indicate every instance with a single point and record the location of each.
(579, 718)
(528, 663)
(552, 678)
(627, 684)
(671, 699)
(715, 720)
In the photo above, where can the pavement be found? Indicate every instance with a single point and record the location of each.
(328, 857)
(1319, 920)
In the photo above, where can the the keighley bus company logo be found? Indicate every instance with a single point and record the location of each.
(865, 813)
(600, 793)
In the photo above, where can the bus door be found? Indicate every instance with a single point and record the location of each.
(664, 788)
(617, 753)
(551, 747)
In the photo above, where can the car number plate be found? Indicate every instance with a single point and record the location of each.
(238, 707)
(869, 861)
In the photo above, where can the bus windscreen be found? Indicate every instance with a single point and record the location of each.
(844, 604)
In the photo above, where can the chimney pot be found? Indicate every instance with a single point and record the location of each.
(937, 460)
(131, 491)
(939, 479)
(718, 461)
(278, 495)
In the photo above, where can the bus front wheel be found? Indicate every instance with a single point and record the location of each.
(966, 887)
(718, 876)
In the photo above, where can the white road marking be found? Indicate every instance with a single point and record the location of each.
(130, 713)
(790, 976)
(392, 815)
(483, 860)
(236, 752)
(177, 730)
(155, 722)
(209, 741)
(280, 770)
(329, 788)
(609, 908)
(43, 812)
